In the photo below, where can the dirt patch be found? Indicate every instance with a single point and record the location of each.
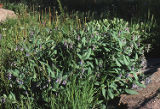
(147, 98)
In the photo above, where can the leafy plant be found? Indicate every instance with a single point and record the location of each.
(69, 64)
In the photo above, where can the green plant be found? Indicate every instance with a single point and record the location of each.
(78, 94)
(60, 7)
(61, 65)
(111, 49)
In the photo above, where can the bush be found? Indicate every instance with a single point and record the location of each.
(41, 68)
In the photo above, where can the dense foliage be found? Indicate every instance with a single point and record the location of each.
(64, 62)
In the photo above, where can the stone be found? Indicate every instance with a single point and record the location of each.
(6, 14)
(147, 98)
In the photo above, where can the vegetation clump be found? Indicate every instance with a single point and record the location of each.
(57, 61)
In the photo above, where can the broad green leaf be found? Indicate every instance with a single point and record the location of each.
(96, 61)
(104, 92)
(103, 106)
(136, 57)
(15, 73)
(34, 76)
(99, 102)
(50, 71)
(117, 63)
(120, 44)
(130, 91)
(81, 33)
(135, 75)
(141, 85)
(10, 96)
(47, 38)
(114, 86)
(79, 56)
(79, 46)
(96, 83)
(107, 50)
(89, 63)
(110, 93)
(88, 53)
(125, 60)
(84, 41)
(89, 71)
(121, 83)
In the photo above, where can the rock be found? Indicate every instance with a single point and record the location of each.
(147, 97)
(5, 13)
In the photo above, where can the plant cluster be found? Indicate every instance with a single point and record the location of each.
(41, 68)
(65, 63)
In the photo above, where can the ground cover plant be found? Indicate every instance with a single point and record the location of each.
(59, 61)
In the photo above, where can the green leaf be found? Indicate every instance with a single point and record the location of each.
(117, 63)
(80, 57)
(104, 92)
(103, 106)
(47, 38)
(96, 83)
(130, 91)
(135, 75)
(114, 86)
(81, 33)
(15, 73)
(51, 73)
(99, 102)
(136, 57)
(10, 96)
(110, 93)
(79, 46)
(34, 76)
(96, 61)
(88, 53)
(89, 71)
(55, 51)
(84, 41)
(107, 50)
(141, 85)
(120, 44)
(121, 83)
(125, 60)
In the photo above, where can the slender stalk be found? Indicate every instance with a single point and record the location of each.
(50, 16)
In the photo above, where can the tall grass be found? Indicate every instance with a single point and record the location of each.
(78, 94)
